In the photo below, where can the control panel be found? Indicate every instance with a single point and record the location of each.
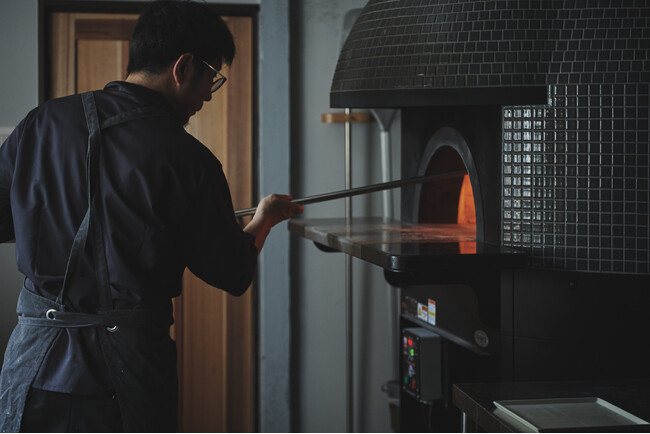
(421, 363)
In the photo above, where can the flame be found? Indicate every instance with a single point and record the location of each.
(467, 247)
(466, 210)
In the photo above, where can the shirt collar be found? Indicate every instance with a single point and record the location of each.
(149, 96)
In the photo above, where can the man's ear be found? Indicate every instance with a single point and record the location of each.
(181, 68)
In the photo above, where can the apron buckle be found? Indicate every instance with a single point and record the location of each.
(51, 314)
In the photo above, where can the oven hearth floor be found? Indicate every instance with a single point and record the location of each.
(415, 249)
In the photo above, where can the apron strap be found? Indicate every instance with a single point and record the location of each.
(156, 319)
(92, 178)
(75, 252)
(92, 220)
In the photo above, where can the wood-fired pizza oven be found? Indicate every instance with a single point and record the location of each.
(538, 258)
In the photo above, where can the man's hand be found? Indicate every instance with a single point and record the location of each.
(271, 210)
(277, 208)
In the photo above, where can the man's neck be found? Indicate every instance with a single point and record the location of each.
(150, 81)
(158, 83)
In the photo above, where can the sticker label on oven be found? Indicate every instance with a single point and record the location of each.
(431, 319)
(422, 312)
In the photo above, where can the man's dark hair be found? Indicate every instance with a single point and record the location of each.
(168, 28)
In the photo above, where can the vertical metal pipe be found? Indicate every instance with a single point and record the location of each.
(348, 164)
(392, 302)
(384, 118)
(349, 329)
(386, 171)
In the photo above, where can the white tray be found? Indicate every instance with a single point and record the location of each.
(538, 415)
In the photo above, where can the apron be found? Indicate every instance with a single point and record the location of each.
(137, 348)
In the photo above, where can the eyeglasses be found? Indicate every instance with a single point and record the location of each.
(219, 81)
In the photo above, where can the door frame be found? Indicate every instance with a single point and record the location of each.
(121, 7)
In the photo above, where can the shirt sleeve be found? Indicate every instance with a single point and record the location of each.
(7, 163)
(220, 253)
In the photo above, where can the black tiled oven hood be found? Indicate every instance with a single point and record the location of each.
(570, 81)
(405, 53)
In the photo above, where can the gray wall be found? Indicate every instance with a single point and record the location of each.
(316, 165)
(318, 278)
(19, 90)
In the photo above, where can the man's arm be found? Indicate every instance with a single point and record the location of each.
(219, 252)
(271, 210)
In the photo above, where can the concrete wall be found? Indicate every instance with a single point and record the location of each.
(18, 95)
(318, 278)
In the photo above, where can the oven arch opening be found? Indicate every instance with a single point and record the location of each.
(454, 200)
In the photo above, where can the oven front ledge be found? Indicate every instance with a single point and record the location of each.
(406, 248)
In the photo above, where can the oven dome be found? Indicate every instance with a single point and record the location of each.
(406, 53)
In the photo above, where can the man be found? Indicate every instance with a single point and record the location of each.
(108, 199)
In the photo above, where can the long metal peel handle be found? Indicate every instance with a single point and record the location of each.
(363, 190)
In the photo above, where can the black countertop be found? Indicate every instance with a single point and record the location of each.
(414, 249)
(476, 400)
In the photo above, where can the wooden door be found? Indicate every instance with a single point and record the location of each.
(223, 331)
(214, 332)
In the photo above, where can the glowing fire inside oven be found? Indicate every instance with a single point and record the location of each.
(466, 209)
(449, 201)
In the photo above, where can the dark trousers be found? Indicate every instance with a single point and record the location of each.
(61, 412)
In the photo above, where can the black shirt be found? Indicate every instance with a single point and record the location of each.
(166, 206)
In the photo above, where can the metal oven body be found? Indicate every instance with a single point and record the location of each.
(545, 105)
(531, 323)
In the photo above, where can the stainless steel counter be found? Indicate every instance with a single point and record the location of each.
(476, 401)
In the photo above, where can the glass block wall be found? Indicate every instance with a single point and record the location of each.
(576, 182)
